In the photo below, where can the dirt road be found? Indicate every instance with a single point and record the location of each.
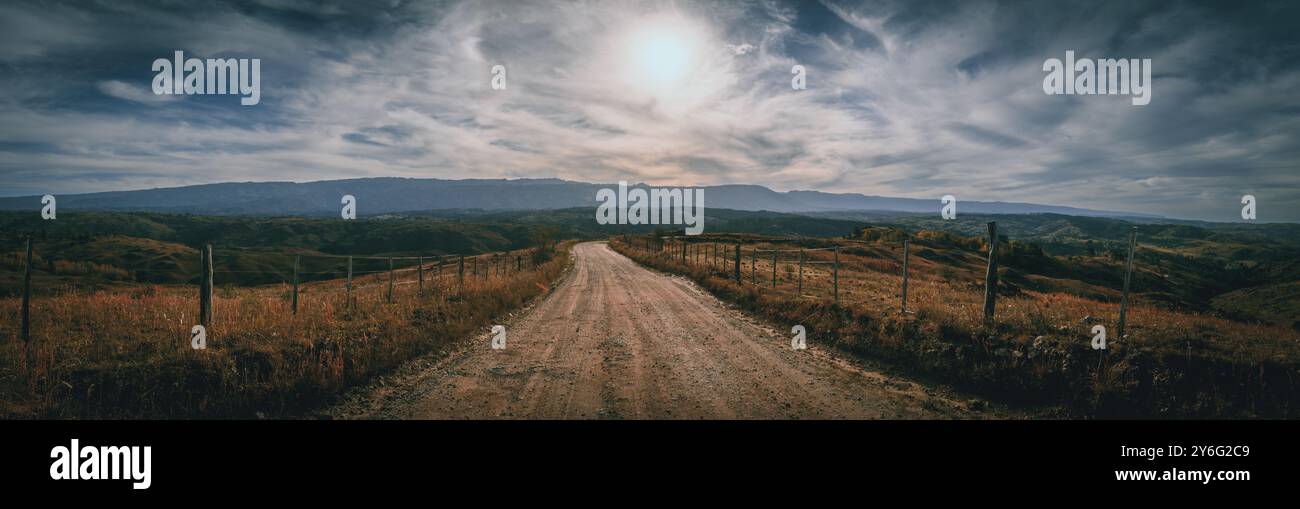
(618, 341)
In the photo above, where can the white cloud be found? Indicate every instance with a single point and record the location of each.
(140, 93)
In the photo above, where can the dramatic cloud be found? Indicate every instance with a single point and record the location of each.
(904, 98)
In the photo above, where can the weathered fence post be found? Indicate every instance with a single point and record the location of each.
(390, 280)
(27, 293)
(295, 283)
(753, 267)
(1128, 272)
(460, 273)
(205, 287)
(991, 278)
(836, 275)
(349, 295)
(801, 272)
(906, 245)
(420, 270)
(737, 262)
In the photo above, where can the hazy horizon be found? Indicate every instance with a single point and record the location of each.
(1084, 212)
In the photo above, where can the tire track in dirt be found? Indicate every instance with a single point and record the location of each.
(615, 340)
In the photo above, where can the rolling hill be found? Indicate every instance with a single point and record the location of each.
(389, 195)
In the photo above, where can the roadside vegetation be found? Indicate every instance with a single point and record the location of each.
(1175, 360)
(123, 350)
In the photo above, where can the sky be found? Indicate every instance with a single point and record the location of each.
(908, 98)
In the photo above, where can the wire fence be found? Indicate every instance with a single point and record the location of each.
(805, 272)
(820, 272)
(301, 277)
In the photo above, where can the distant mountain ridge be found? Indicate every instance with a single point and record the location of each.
(381, 195)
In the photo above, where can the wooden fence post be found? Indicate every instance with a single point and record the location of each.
(837, 275)
(991, 277)
(349, 295)
(460, 273)
(906, 245)
(800, 272)
(390, 280)
(753, 267)
(27, 293)
(737, 262)
(420, 264)
(1128, 272)
(295, 283)
(205, 287)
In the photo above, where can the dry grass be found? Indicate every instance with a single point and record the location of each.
(127, 354)
(1171, 363)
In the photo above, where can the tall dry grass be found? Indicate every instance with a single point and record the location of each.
(1170, 363)
(127, 353)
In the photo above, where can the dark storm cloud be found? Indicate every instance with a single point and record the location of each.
(904, 98)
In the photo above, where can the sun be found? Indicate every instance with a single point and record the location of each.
(661, 54)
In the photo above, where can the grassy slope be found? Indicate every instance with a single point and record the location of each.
(1173, 363)
(126, 353)
(163, 248)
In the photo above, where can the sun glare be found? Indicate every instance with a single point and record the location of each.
(660, 55)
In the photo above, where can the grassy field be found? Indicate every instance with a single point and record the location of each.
(123, 350)
(1174, 361)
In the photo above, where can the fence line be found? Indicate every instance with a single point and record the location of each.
(495, 264)
(685, 250)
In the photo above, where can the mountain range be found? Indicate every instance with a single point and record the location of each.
(385, 195)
